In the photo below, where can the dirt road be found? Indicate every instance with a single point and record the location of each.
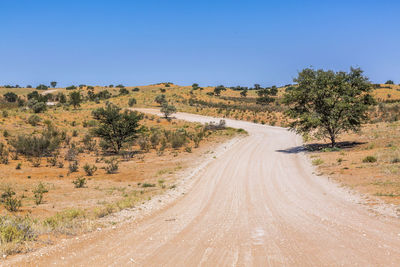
(258, 204)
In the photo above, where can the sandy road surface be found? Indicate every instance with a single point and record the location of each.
(258, 204)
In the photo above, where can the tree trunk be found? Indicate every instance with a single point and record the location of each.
(333, 140)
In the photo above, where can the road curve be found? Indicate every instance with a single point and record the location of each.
(258, 204)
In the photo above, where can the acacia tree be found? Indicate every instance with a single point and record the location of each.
(195, 86)
(75, 98)
(42, 87)
(10, 97)
(167, 109)
(160, 99)
(219, 89)
(265, 96)
(116, 127)
(53, 84)
(328, 103)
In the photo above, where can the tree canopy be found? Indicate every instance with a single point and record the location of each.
(327, 103)
(265, 96)
(10, 97)
(116, 127)
(243, 93)
(219, 89)
(167, 109)
(42, 87)
(75, 98)
(160, 99)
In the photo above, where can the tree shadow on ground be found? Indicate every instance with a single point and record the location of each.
(320, 147)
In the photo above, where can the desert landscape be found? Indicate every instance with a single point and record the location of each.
(83, 186)
(199, 133)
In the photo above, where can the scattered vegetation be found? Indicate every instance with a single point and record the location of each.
(369, 159)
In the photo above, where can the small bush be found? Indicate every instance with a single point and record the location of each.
(37, 146)
(72, 153)
(53, 160)
(38, 192)
(15, 231)
(79, 182)
(395, 160)
(89, 169)
(331, 149)
(178, 139)
(132, 102)
(369, 159)
(42, 87)
(214, 126)
(10, 97)
(10, 202)
(317, 162)
(143, 142)
(72, 87)
(3, 154)
(144, 185)
(64, 221)
(73, 167)
(89, 142)
(123, 91)
(39, 107)
(74, 133)
(34, 120)
(155, 138)
(112, 166)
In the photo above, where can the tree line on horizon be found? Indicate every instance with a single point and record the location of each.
(323, 103)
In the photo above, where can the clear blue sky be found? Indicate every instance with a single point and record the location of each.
(210, 42)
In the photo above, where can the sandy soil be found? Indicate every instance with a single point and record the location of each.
(256, 204)
(380, 179)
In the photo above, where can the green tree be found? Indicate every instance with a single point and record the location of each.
(195, 86)
(160, 99)
(61, 98)
(37, 106)
(116, 127)
(167, 109)
(53, 84)
(328, 103)
(123, 91)
(132, 102)
(42, 87)
(10, 97)
(243, 93)
(266, 95)
(75, 98)
(219, 89)
(389, 82)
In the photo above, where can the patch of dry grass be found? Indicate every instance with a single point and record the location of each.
(371, 165)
